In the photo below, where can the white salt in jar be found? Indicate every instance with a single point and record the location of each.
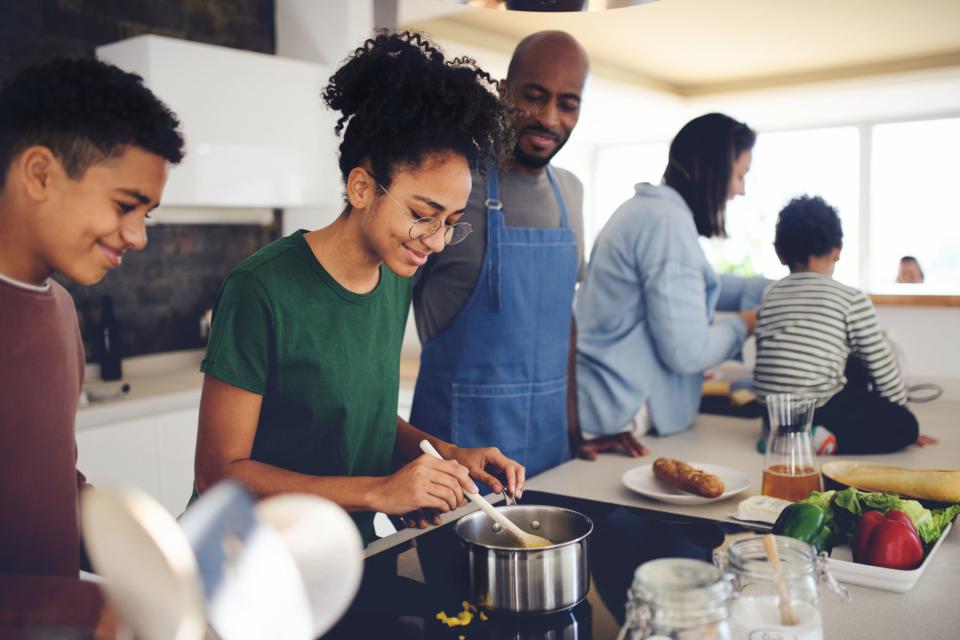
(755, 614)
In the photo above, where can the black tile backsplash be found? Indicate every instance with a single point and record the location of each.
(32, 31)
(160, 293)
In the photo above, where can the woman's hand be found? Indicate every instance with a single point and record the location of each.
(482, 460)
(424, 483)
(750, 319)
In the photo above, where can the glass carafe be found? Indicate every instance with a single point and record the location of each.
(790, 470)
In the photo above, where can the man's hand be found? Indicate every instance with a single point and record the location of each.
(588, 449)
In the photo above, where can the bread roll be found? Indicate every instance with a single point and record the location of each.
(942, 485)
(684, 477)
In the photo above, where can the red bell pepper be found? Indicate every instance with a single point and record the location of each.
(889, 541)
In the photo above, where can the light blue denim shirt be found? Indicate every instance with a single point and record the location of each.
(645, 317)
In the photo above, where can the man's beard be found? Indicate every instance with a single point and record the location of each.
(532, 161)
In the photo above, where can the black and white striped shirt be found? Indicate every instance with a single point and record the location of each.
(807, 327)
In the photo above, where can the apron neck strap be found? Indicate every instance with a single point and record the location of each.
(494, 218)
(494, 209)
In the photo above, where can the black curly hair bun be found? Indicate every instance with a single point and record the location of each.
(402, 100)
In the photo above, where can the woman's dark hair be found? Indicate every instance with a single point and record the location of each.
(807, 227)
(85, 111)
(402, 101)
(702, 156)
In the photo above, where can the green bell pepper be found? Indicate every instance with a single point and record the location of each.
(806, 522)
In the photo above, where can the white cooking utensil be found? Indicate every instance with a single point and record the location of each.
(528, 540)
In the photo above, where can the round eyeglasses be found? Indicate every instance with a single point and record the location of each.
(425, 226)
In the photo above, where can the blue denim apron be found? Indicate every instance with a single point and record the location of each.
(497, 376)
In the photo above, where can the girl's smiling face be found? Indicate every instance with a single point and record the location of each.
(438, 188)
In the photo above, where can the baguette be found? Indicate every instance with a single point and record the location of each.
(684, 477)
(941, 485)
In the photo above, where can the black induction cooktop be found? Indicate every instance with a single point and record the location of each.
(397, 602)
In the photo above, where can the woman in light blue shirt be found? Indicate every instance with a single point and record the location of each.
(645, 312)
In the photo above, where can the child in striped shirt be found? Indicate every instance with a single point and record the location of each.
(816, 336)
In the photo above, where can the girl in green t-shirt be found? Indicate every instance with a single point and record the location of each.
(302, 369)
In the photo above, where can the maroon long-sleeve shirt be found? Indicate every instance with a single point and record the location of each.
(41, 372)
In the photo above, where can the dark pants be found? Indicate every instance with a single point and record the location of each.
(863, 421)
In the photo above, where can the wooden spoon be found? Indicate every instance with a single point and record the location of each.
(527, 540)
(787, 617)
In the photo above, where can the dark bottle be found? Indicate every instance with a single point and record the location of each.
(108, 345)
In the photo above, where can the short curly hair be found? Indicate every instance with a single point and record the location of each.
(807, 227)
(401, 101)
(84, 111)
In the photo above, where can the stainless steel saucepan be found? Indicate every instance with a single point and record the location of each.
(507, 577)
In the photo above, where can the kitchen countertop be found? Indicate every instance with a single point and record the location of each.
(158, 384)
(168, 382)
(927, 610)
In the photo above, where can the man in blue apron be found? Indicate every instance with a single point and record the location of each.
(494, 313)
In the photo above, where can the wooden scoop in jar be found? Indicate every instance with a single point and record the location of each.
(525, 539)
(787, 616)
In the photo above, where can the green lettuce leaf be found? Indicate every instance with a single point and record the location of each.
(850, 504)
(922, 519)
(943, 517)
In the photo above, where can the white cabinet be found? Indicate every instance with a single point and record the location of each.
(153, 453)
(176, 443)
(122, 453)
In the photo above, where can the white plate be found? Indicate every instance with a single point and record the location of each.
(642, 480)
(844, 569)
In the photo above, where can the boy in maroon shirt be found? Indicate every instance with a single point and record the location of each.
(84, 152)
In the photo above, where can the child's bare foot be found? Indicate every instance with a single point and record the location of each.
(923, 440)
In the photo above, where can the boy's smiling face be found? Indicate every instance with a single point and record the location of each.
(85, 224)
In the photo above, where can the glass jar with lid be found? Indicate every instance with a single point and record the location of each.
(755, 614)
(679, 599)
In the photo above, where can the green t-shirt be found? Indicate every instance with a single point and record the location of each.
(325, 360)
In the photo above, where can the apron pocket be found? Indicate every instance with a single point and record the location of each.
(501, 415)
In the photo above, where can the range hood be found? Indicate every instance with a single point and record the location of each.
(258, 136)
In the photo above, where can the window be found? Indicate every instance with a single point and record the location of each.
(914, 204)
(909, 170)
(618, 169)
(823, 162)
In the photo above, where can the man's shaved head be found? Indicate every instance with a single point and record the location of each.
(547, 43)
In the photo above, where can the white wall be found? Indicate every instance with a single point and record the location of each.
(323, 31)
(905, 95)
(927, 339)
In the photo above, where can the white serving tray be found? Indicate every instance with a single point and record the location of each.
(844, 569)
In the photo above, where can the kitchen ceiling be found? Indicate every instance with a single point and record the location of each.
(696, 47)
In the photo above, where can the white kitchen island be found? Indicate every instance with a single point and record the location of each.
(928, 611)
